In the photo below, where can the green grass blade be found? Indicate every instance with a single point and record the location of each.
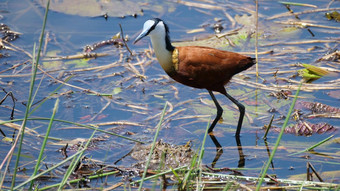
(188, 174)
(55, 109)
(34, 72)
(35, 93)
(10, 153)
(51, 94)
(160, 174)
(160, 168)
(176, 175)
(199, 162)
(77, 124)
(200, 157)
(153, 146)
(227, 186)
(297, 4)
(81, 179)
(48, 170)
(264, 172)
(74, 163)
(312, 147)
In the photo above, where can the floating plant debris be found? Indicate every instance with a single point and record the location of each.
(283, 94)
(332, 55)
(115, 42)
(80, 142)
(311, 72)
(169, 155)
(7, 34)
(335, 15)
(303, 128)
(317, 107)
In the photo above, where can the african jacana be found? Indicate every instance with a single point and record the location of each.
(197, 66)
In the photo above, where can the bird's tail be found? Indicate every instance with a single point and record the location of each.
(247, 63)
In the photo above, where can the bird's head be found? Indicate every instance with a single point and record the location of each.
(153, 27)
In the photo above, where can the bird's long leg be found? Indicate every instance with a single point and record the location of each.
(219, 150)
(219, 112)
(241, 109)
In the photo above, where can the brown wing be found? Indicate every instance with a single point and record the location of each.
(203, 67)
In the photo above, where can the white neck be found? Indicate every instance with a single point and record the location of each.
(163, 55)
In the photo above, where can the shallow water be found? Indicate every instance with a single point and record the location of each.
(140, 101)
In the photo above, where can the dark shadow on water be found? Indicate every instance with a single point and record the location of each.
(268, 151)
(219, 151)
(241, 161)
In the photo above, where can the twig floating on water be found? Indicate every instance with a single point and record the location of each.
(302, 12)
(77, 56)
(298, 18)
(121, 30)
(303, 24)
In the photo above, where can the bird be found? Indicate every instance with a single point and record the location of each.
(197, 66)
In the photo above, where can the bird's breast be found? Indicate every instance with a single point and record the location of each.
(175, 60)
